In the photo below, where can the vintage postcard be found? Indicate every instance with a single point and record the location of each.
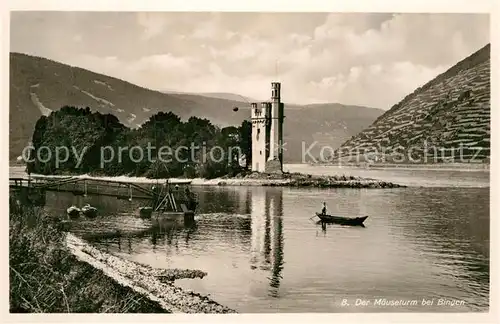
(325, 161)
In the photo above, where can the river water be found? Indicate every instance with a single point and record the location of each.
(263, 253)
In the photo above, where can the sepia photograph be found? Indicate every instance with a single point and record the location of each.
(249, 162)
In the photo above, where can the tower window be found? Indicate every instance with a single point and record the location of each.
(258, 133)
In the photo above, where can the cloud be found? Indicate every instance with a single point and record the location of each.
(164, 62)
(389, 83)
(349, 58)
(152, 24)
(207, 30)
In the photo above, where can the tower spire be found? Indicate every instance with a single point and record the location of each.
(277, 69)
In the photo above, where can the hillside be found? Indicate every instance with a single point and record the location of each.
(228, 96)
(39, 86)
(450, 114)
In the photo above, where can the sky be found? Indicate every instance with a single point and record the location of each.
(367, 59)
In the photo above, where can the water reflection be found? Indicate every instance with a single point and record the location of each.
(418, 243)
(157, 234)
(278, 242)
(254, 223)
(267, 234)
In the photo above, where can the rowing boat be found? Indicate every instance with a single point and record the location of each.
(341, 220)
(89, 211)
(73, 212)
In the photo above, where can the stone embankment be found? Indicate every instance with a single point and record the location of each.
(156, 284)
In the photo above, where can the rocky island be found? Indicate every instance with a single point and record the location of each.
(300, 180)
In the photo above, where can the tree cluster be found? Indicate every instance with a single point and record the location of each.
(164, 146)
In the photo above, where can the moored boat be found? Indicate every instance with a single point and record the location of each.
(145, 212)
(73, 212)
(89, 211)
(165, 214)
(353, 221)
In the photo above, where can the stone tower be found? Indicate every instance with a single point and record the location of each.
(267, 133)
(261, 126)
(275, 160)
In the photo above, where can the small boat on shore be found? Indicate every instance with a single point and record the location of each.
(353, 221)
(89, 211)
(145, 212)
(73, 212)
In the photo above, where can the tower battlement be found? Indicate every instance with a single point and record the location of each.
(275, 90)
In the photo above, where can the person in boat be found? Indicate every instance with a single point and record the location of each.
(323, 210)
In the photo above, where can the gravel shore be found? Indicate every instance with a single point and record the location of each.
(156, 284)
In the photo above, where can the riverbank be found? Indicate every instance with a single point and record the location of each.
(286, 179)
(53, 271)
(156, 284)
(46, 278)
(455, 166)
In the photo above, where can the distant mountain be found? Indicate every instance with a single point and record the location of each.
(216, 95)
(39, 86)
(447, 118)
(229, 96)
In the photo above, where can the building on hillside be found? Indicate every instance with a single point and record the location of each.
(267, 133)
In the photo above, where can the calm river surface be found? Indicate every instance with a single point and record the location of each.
(262, 252)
